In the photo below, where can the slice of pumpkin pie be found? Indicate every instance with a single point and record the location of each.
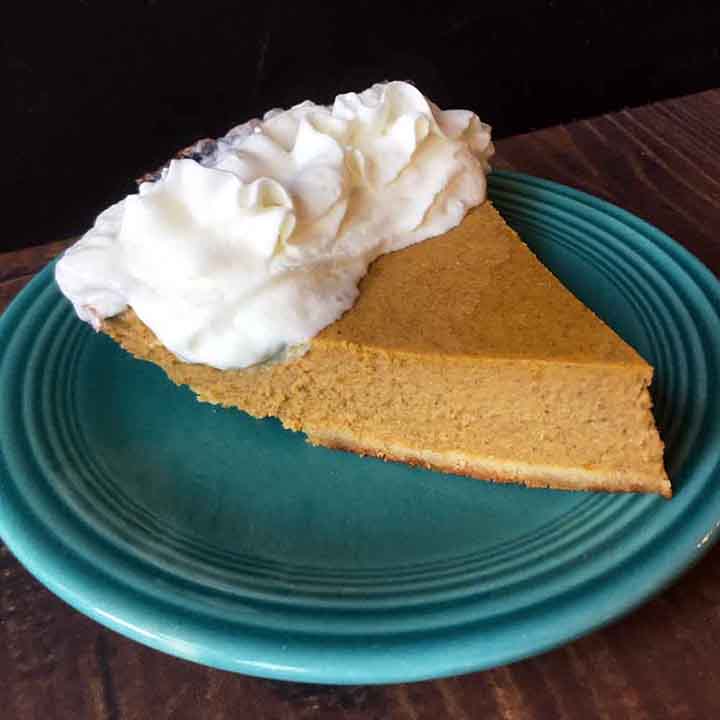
(463, 354)
(340, 269)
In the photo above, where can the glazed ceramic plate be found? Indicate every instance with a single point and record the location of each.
(231, 542)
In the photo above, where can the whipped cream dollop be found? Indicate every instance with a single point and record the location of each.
(253, 249)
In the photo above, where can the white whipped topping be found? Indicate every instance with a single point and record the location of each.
(234, 259)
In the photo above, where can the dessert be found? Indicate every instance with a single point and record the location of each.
(459, 351)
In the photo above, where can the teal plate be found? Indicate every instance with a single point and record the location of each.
(231, 542)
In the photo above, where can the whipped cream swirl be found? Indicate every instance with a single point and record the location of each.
(253, 250)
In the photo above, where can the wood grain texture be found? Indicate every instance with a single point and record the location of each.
(661, 662)
(661, 162)
(18, 268)
(29, 260)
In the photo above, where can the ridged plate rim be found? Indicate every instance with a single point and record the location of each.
(353, 657)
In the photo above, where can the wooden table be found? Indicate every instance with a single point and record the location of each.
(661, 662)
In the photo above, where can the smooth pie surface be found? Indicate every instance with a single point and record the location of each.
(462, 354)
(479, 292)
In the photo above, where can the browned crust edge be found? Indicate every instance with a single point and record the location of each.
(489, 476)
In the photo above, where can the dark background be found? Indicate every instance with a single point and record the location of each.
(100, 92)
